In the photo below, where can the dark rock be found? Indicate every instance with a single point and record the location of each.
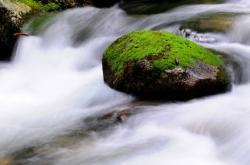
(157, 6)
(146, 6)
(9, 25)
(104, 3)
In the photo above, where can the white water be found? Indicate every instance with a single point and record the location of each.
(55, 82)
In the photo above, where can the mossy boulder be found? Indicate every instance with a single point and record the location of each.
(155, 64)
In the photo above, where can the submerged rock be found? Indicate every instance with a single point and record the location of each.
(216, 22)
(154, 64)
(5, 162)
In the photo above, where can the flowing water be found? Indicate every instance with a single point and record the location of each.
(52, 91)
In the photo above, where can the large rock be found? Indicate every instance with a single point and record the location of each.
(154, 64)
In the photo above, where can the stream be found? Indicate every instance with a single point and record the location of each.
(52, 93)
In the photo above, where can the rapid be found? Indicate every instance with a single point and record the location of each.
(53, 89)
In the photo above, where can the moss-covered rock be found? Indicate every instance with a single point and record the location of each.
(38, 5)
(65, 4)
(154, 64)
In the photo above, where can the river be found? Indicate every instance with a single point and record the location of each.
(53, 89)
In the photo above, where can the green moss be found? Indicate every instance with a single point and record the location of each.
(35, 24)
(162, 47)
(39, 6)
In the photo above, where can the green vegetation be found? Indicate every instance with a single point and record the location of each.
(162, 48)
(35, 24)
(36, 5)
